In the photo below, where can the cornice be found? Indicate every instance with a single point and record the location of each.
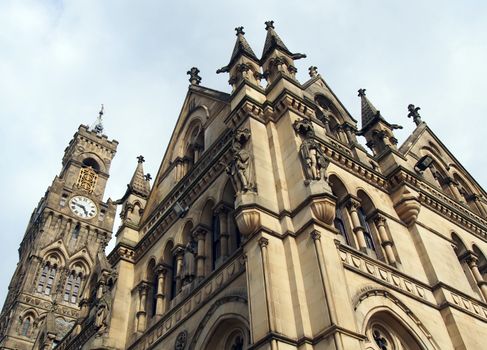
(440, 203)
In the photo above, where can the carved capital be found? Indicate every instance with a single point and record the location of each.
(316, 235)
(161, 270)
(380, 220)
(263, 242)
(353, 203)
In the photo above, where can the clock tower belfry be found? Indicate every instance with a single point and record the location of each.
(67, 229)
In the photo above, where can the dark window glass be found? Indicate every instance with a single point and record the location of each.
(216, 240)
(367, 235)
(339, 224)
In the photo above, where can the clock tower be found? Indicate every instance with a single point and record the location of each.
(69, 227)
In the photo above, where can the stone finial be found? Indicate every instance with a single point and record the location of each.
(240, 31)
(147, 177)
(98, 126)
(361, 92)
(269, 25)
(194, 78)
(414, 113)
(141, 159)
(313, 71)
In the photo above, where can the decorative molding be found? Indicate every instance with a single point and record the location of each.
(385, 274)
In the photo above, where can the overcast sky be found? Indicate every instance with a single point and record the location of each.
(59, 60)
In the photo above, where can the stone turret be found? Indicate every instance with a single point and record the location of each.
(276, 57)
(244, 64)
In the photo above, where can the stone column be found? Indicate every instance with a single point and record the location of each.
(141, 313)
(341, 135)
(386, 243)
(200, 236)
(223, 217)
(476, 200)
(353, 206)
(453, 185)
(316, 236)
(263, 243)
(472, 263)
(326, 121)
(161, 273)
(178, 269)
(349, 133)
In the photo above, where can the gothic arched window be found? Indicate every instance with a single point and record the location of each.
(216, 246)
(339, 223)
(72, 289)
(26, 324)
(369, 241)
(46, 279)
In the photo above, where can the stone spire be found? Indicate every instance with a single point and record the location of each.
(377, 131)
(273, 41)
(241, 48)
(97, 127)
(140, 183)
(369, 112)
(244, 64)
(277, 60)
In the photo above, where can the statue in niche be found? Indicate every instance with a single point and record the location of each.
(239, 168)
(188, 263)
(101, 318)
(312, 156)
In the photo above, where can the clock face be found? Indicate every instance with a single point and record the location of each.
(83, 207)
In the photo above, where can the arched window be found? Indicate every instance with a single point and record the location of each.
(90, 162)
(465, 258)
(152, 288)
(75, 233)
(216, 245)
(42, 279)
(26, 325)
(72, 288)
(369, 241)
(341, 215)
(174, 277)
(340, 224)
(46, 279)
(385, 332)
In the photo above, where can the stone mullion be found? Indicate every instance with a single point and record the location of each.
(353, 206)
(141, 312)
(179, 253)
(386, 243)
(160, 293)
(200, 236)
(481, 283)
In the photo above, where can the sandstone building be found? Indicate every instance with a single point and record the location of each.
(268, 226)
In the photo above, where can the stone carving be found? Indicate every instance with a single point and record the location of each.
(313, 71)
(240, 167)
(188, 271)
(181, 341)
(414, 113)
(312, 156)
(194, 78)
(101, 318)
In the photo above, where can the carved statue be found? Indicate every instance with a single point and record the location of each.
(188, 263)
(314, 161)
(312, 156)
(239, 168)
(101, 318)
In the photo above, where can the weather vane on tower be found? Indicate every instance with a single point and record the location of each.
(98, 126)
